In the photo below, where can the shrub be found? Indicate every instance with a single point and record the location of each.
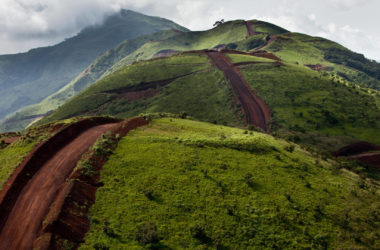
(198, 232)
(249, 180)
(147, 233)
(290, 148)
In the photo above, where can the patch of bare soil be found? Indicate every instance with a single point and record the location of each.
(166, 53)
(139, 95)
(318, 67)
(255, 110)
(250, 28)
(362, 151)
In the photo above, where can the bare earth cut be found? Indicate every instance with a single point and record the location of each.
(21, 225)
(250, 29)
(255, 110)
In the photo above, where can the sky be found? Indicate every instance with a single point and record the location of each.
(26, 24)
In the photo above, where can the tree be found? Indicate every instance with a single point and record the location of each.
(217, 23)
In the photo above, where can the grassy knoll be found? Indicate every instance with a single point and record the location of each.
(179, 184)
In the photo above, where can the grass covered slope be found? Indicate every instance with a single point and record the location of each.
(141, 48)
(50, 68)
(184, 184)
(93, 72)
(308, 106)
(196, 88)
(307, 102)
(334, 58)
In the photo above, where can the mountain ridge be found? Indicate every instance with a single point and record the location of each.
(49, 68)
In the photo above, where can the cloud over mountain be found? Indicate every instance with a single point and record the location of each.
(25, 24)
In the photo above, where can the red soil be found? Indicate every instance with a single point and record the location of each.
(67, 218)
(250, 28)
(260, 53)
(371, 159)
(255, 110)
(265, 54)
(138, 95)
(317, 67)
(362, 152)
(356, 148)
(271, 40)
(248, 63)
(165, 53)
(146, 85)
(28, 194)
(10, 140)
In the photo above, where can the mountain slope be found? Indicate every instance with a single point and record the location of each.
(179, 183)
(160, 44)
(184, 184)
(316, 53)
(27, 78)
(307, 106)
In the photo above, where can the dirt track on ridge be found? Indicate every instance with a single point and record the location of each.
(255, 110)
(34, 200)
(250, 29)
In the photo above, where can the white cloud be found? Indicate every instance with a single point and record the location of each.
(25, 24)
(348, 4)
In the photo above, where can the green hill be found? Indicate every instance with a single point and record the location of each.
(181, 184)
(200, 174)
(307, 106)
(27, 78)
(297, 50)
(144, 47)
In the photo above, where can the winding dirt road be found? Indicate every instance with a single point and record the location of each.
(34, 200)
(255, 110)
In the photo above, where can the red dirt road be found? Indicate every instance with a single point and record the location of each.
(255, 110)
(371, 159)
(33, 202)
(365, 152)
(250, 29)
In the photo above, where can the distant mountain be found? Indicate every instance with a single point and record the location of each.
(142, 48)
(327, 58)
(27, 78)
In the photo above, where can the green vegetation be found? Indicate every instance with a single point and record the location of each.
(307, 102)
(293, 48)
(239, 58)
(83, 80)
(197, 89)
(315, 109)
(27, 78)
(302, 49)
(267, 28)
(183, 184)
(12, 155)
(142, 48)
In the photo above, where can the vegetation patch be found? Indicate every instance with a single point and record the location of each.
(165, 187)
